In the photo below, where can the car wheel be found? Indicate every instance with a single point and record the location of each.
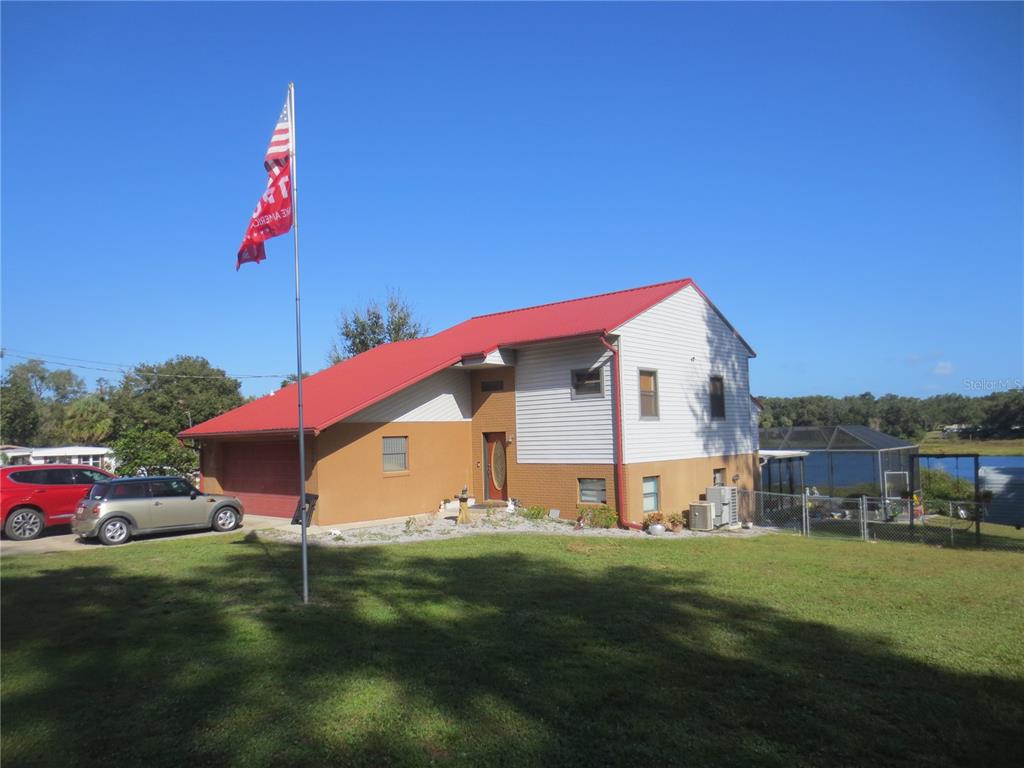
(226, 519)
(115, 531)
(24, 524)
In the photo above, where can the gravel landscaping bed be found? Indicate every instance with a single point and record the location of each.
(433, 528)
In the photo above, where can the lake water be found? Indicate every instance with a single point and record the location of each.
(965, 467)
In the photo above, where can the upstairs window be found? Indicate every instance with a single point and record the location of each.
(717, 397)
(396, 454)
(587, 383)
(648, 394)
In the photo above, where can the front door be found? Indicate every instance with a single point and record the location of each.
(495, 466)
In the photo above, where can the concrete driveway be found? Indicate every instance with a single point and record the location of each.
(60, 539)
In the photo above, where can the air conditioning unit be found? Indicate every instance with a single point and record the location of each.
(726, 501)
(702, 516)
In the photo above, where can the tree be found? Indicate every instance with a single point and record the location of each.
(291, 378)
(1004, 414)
(152, 452)
(88, 420)
(361, 331)
(19, 415)
(47, 394)
(169, 396)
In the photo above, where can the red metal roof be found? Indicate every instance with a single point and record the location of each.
(357, 383)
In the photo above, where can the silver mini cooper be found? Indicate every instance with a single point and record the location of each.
(115, 511)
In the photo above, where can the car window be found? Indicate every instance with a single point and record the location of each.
(129, 491)
(98, 491)
(28, 476)
(62, 477)
(88, 476)
(172, 487)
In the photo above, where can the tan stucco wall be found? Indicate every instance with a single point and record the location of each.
(493, 412)
(684, 480)
(354, 487)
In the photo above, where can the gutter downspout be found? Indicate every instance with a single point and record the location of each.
(620, 495)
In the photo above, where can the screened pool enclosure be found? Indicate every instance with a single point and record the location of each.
(848, 460)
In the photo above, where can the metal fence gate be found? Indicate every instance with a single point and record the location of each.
(939, 523)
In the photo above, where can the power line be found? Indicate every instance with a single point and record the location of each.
(123, 369)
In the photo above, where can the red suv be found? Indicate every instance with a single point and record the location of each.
(34, 497)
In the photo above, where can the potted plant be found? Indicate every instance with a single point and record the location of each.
(654, 523)
(676, 521)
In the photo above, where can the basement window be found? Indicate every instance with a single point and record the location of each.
(592, 490)
(587, 383)
(652, 494)
(396, 454)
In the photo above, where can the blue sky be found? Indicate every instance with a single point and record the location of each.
(844, 181)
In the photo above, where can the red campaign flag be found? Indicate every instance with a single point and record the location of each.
(273, 214)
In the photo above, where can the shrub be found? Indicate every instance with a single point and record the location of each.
(676, 519)
(600, 517)
(653, 518)
(533, 512)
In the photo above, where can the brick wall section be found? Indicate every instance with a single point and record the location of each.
(556, 486)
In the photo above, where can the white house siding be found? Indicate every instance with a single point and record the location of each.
(441, 397)
(552, 427)
(686, 342)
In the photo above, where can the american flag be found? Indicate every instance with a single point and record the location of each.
(280, 143)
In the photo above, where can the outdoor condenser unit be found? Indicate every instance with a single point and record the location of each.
(702, 516)
(726, 501)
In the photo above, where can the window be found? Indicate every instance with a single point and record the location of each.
(29, 476)
(652, 494)
(719, 476)
(648, 394)
(173, 487)
(587, 383)
(129, 491)
(717, 397)
(496, 385)
(396, 454)
(592, 490)
(89, 476)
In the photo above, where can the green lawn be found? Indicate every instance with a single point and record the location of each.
(515, 650)
(934, 443)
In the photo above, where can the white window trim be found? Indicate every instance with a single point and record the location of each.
(657, 494)
(640, 395)
(599, 370)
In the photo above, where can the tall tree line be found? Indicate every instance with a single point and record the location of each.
(1000, 414)
(139, 416)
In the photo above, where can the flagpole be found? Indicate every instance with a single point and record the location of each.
(298, 343)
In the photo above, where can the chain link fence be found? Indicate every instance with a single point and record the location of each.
(939, 523)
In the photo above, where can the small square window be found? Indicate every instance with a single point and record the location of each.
(718, 475)
(495, 385)
(396, 454)
(592, 490)
(648, 394)
(587, 383)
(717, 389)
(652, 494)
